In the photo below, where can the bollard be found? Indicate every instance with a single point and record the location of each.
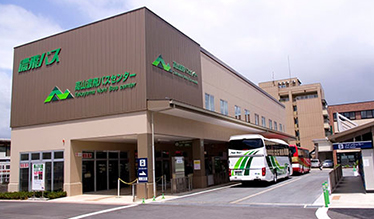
(327, 193)
(133, 192)
(154, 198)
(324, 194)
(143, 202)
(163, 197)
(119, 188)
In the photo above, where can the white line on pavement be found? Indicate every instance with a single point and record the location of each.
(103, 211)
(321, 213)
(202, 192)
(267, 190)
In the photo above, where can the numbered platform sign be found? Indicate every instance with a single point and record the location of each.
(142, 170)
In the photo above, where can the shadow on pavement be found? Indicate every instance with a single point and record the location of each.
(350, 213)
(350, 184)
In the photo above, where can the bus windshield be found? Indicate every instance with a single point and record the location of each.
(245, 144)
(292, 150)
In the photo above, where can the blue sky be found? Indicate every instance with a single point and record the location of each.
(328, 42)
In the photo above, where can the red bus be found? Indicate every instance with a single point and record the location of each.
(300, 159)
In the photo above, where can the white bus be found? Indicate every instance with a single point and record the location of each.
(253, 157)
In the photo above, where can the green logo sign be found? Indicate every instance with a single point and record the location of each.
(105, 84)
(159, 62)
(57, 95)
(189, 74)
(35, 62)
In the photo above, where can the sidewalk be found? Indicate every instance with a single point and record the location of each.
(350, 193)
(111, 199)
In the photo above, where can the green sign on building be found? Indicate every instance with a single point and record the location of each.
(188, 74)
(36, 61)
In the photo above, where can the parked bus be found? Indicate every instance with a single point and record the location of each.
(300, 159)
(253, 157)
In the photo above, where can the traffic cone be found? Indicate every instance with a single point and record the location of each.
(154, 198)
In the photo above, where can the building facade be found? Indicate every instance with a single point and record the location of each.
(91, 101)
(306, 109)
(359, 114)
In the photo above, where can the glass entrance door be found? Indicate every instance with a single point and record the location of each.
(88, 170)
(101, 175)
(113, 174)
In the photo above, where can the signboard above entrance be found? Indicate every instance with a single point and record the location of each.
(353, 145)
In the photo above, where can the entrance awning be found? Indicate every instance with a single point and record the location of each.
(177, 109)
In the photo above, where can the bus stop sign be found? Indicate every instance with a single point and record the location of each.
(142, 170)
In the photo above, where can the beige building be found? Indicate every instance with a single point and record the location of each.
(306, 109)
(89, 102)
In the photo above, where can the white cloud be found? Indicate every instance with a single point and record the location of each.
(4, 104)
(17, 26)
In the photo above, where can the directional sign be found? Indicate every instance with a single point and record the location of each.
(142, 170)
(353, 145)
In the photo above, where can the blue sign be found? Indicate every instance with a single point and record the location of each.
(353, 145)
(142, 170)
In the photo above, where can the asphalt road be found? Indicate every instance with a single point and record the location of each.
(290, 198)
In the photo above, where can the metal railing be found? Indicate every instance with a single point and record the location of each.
(181, 184)
(335, 176)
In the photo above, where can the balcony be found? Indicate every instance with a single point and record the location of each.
(325, 113)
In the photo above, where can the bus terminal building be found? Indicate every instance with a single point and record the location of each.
(91, 101)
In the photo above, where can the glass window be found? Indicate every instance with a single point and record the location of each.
(237, 112)
(35, 156)
(47, 155)
(263, 121)
(58, 174)
(224, 107)
(245, 144)
(24, 156)
(247, 116)
(48, 176)
(59, 155)
(280, 127)
(209, 102)
(257, 118)
(101, 154)
(113, 155)
(24, 175)
(275, 126)
(270, 124)
(123, 155)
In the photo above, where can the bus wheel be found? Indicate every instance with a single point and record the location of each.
(275, 178)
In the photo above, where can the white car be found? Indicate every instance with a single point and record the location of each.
(315, 163)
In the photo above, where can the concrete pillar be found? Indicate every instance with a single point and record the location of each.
(199, 176)
(145, 151)
(368, 166)
(72, 170)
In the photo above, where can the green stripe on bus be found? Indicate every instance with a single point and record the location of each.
(248, 167)
(240, 160)
(242, 165)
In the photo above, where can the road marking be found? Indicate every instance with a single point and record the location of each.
(103, 211)
(321, 213)
(202, 192)
(262, 192)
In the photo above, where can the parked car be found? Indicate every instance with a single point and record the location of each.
(315, 163)
(328, 164)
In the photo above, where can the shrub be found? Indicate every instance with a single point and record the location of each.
(26, 195)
